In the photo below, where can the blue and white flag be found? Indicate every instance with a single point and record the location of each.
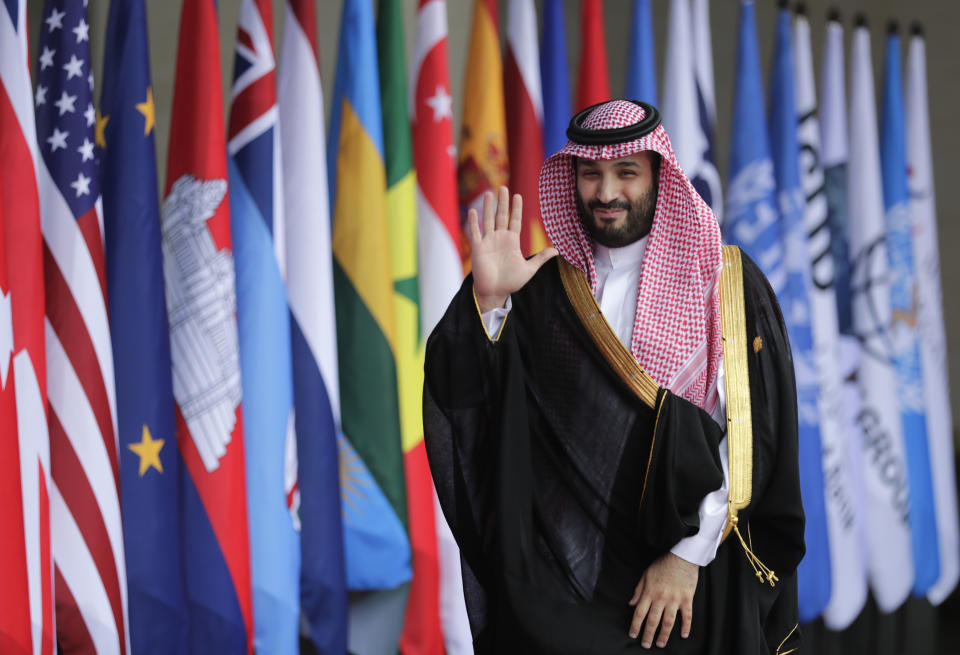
(813, 573)
(688, 106)
(848, 579)
(752, 220)
(642, 65)
(257, 227)
(886, 489)
(903, 326)
(313, 338)
(933, 351)
(554, 77)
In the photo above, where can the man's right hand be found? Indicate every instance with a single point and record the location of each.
(499, 268)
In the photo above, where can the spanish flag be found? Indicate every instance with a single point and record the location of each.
(371, 460)
(482, 160)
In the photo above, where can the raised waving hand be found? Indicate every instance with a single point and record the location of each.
(499, 267)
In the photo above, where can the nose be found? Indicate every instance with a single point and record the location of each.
(608, 190)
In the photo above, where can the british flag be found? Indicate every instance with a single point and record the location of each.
(89, 575)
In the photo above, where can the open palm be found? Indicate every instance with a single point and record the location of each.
(499, 267)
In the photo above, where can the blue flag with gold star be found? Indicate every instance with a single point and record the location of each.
(150, 466)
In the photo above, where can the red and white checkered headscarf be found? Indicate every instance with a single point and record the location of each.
(676, 332)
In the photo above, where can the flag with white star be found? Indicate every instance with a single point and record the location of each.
(87, 541)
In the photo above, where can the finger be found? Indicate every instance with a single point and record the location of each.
(473, 226)
(503, 208)
(489, 206)
(516, 213)
(666, 626)
(650, 626)
(686, 614)
(542, 258)
(639, 614)
(639, 589)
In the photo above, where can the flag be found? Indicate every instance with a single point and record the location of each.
(525, 122)
(257, 228)
(751, 210)
(372, 482)
(930, 318)
(688, 106)
(26, 605)
(438, 228)
(482, 158)
(593, 81)
(553, 73)
(641, 65)
(313, 340)
(848, 581)
(150, 465)
(885, 476)
(903, 330)
(813, 573)
(90, 583)
(421, 631)
(201, 308)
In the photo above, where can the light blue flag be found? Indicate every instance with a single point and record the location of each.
(751, 211)
(903, 331)
(554, 76)
(641, 65)
(813, 573)
(257, 227)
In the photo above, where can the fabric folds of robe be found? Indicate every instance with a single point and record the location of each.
(562, 486)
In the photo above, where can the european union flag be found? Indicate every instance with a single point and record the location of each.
(149, 459)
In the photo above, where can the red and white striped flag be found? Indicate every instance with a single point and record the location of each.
(90, 577)
(524, 98)
(26, 601)
(435, 160)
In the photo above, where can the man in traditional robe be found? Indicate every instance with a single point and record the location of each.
(613, 432)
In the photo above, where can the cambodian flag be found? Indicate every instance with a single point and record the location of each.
(201, 307)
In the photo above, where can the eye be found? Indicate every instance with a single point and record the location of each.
(628, 173)
(590, 174)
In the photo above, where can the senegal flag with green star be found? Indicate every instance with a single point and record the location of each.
(422, 634)
(377, 548)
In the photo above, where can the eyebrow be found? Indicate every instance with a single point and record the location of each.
(620, 164)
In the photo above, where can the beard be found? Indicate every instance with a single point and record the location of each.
(637, 225)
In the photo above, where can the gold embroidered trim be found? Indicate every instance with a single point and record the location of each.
(653, 442)
(786, 652)
(737, 386)
(622, 360)
(757, 344)
(476, 303)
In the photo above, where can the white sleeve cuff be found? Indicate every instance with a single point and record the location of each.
(493, 319)
(701, 548)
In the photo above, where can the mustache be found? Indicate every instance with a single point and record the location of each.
(613, 204)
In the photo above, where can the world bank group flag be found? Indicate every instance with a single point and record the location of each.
(371, 459)
(150, 465)
(751, 218)
(903, 330)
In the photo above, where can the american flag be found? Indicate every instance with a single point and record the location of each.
(89, 576)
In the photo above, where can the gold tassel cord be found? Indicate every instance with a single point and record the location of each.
(763, 572)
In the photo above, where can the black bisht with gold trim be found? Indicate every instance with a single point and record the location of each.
(564, 471)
